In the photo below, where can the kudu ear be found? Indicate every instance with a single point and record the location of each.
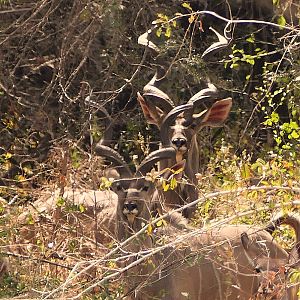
(251, 250)
(153, 114)
(215, 116)
(256, 255)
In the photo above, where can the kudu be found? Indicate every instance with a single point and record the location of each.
(135, 189)
(178, 127)
(207, 264)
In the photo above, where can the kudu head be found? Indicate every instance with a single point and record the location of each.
(179, 124)
(135, 190)
(274, 273)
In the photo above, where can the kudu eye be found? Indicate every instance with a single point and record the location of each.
(257, 269)
(118, 187)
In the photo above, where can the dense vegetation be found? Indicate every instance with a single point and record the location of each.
(61, 61)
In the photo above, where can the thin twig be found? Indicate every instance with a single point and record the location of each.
(41, 260)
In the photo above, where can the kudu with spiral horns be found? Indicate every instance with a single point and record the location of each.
(178, 126)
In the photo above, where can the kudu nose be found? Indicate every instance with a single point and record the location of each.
(179, 142)
(130, 206)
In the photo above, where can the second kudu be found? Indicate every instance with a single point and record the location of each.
(215, 263)
(178, 126)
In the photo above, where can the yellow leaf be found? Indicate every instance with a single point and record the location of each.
(165, 186)
(281, 21)
(191, 19)
(105, 184)
(178, 171)
(264, 182)
(158, 32)
(149, 229)
(161, 223)
(81, 208)
(20, 178)
(173, 183)
(187, 5)
(7, 155)
(168, 32)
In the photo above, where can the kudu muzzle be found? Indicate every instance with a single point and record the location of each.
(130, 211)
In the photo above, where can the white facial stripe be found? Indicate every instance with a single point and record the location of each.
(178, 127)
(132, 212)
(134, 191)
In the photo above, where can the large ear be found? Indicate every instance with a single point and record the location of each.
(250, 250)
(218, 113)
(215, 116)
(153, 114)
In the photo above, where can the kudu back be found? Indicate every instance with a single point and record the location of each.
(216, 265)
(178, 126)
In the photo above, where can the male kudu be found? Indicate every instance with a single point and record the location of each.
(178, 127)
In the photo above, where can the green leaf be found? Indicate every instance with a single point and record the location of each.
(60, 202)
(294, 125)
(245, 172)
(81, 208)
(250, 39)
(294, 134)
(281, 21)
(278, 140)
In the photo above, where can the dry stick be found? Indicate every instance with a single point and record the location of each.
(36, 259)
(193, 232)
(231, 21)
